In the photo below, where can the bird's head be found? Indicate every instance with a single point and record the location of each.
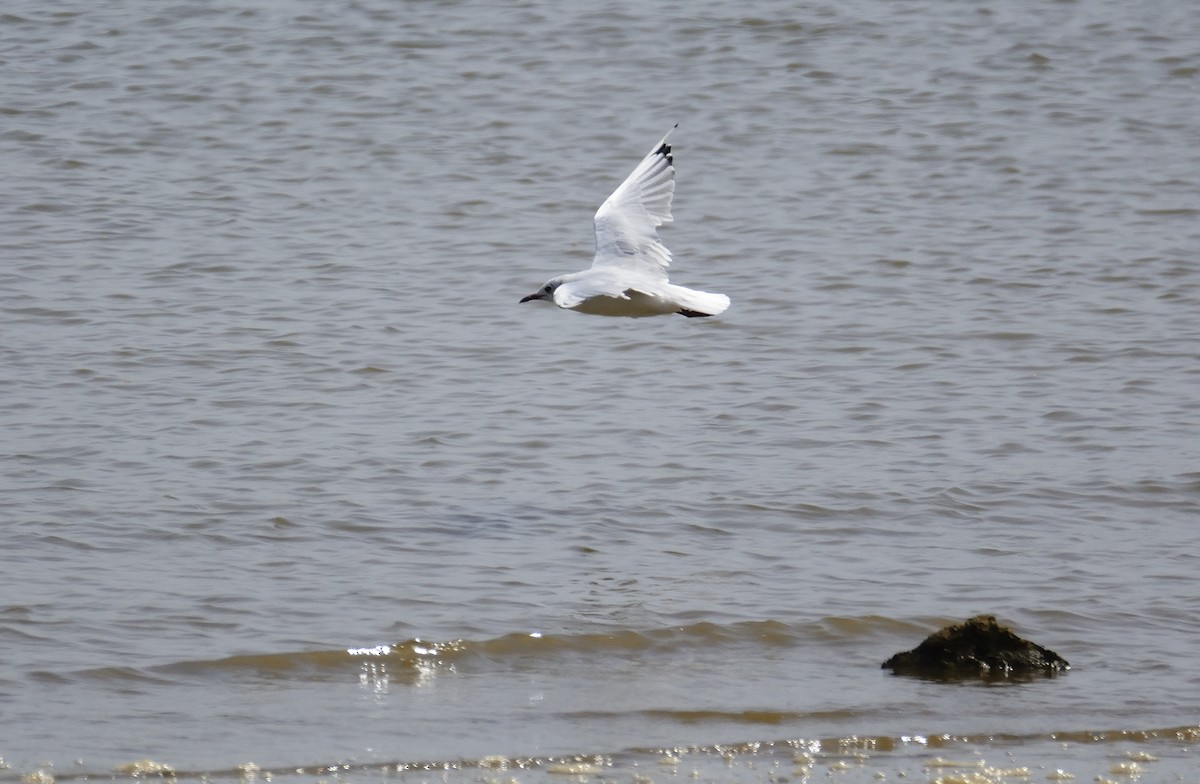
(546, 292)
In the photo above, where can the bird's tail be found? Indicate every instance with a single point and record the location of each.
(694, 303)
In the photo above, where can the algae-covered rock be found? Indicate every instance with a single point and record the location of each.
(977, 648)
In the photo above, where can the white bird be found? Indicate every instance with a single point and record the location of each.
(628, 276)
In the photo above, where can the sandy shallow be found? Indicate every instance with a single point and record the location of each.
(1166, 755)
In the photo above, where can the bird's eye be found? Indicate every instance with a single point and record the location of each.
(548, 289)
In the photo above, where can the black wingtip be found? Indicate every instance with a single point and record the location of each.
(664, 149)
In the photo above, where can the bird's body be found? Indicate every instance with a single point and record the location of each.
(628, 276)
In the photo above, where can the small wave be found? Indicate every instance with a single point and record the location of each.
(723, 716)
(521, 648)
(413, 654)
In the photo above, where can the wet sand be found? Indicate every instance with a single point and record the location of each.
(1163, 755)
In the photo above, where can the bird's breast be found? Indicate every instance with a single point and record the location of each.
(637, 305)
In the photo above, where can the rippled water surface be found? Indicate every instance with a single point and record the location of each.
(289, 477)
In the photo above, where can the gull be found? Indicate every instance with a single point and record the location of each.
(628, 276)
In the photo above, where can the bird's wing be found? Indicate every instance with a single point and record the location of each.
(568, 295)
(627, 221)
(606, 282)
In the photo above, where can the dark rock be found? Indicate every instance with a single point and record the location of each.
(977, 648)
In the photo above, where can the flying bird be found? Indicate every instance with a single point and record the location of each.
(628, 276)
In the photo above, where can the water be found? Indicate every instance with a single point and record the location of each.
(269, 403)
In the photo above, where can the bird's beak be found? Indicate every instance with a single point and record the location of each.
(535, 295)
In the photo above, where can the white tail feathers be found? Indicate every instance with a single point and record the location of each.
(698, 303)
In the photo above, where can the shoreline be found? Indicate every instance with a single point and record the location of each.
(1167, 754)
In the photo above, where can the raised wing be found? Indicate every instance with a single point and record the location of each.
(628, 220)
